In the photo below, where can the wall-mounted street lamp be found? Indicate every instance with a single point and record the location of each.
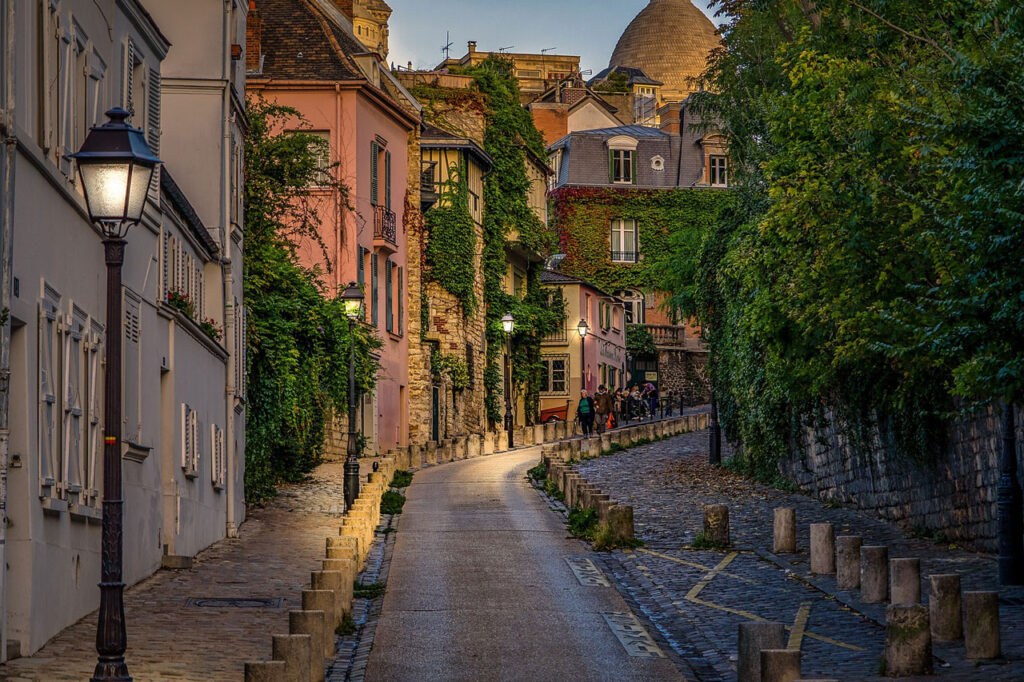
(352, 301)
(583, 328)
(115, 166)
(508, 325)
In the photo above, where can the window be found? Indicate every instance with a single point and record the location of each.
(622, 166)
(322, 151)
(586, 308)
(718, 171)
(633, 306)
(624, 241)
(183, 276)
(554, 377)
(389, 308)
(380, 160)
(132, 368)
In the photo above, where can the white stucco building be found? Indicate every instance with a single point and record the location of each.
(179, 68)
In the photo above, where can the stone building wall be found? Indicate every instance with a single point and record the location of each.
(954, 497)
(419, 352)
(683, 373)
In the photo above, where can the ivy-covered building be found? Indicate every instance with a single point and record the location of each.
(624, 200)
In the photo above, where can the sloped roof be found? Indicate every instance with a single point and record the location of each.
(300, 43)
(636, 76)
(433, 137)
(558, 277)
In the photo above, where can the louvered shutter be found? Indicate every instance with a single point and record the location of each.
(67, 88)
(387, 180)
(373, 287)
(153, 130)
(632, 175)
(361, 267)
(131, 370)
(73, 402)
(389, 322)
(611, 166)
(401, 301)
(95, 421)
(129, 72)
(47, 395)
(374, 180)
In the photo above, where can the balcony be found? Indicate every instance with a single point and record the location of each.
(559, 336)
(625, 256)
(385, 229)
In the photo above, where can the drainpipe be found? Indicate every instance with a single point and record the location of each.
(231, 529)
(6, 237)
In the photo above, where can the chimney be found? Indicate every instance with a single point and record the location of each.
(670, 119)
(472, 46)
(253, 39)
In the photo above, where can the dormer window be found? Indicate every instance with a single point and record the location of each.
(718, 171)
(622, 160)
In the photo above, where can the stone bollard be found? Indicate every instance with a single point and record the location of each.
(430, 456)
(784, 530)
(295, 651)
(874, 574)
(473, 446)
(620, 522)
(311, 623)
(549, 432)
(323, 600)
(905, 581)
(487, 445)
(335, 581)
(908, 640)
(848, 561)
(606, 442)
(823, 549)
(780, 665)
(944, 607)
(347, 567)
(753, 637)
(981, 625)
(604, 507)
(264, 671)
(716, 524)
(416, 456)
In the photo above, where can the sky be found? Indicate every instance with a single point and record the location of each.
(574, 27)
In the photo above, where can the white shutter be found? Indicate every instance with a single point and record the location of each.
(129, 73)
(186, 437)
(95, 418)
(153, 129)
(73, 400)
(194, 436)
(65, 71)
(131, 369)
(48, 364)
(217, 464)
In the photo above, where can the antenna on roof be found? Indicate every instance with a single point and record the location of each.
(548, 49)
(503, 50)
(447, 45)
(588, 72)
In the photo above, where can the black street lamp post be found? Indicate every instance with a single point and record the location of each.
(115, 166)
(1009, 506)
(352, 299)
(582, 328)
(715, 444)
(508, 324)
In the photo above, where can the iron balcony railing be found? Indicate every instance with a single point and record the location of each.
(625, 257)
(385, 226)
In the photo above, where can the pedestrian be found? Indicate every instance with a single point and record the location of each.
(585, 412)
(619, 404)
(651, 393)
(603, 406)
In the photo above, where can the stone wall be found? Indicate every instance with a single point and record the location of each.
(954, 497)
(683, 373)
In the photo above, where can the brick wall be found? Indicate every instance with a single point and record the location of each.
(955, 496)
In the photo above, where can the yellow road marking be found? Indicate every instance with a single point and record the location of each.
(695, 590)
(692, 564)
(796, 634)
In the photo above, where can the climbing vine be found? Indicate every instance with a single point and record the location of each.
(639, 340)
(451, 243)
(451, 366)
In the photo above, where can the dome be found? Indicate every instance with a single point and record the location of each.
(669, 41)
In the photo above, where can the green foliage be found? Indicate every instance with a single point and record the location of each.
(346, 627)
(639, 341)
(538, 473)
(868, 272)
(370, 591)
(391, 502)
(401, 479)
(297, 336)
(452, 366)
(451, 244)
(704, 542)
(616, 82)
(582, 523)
(552, 491)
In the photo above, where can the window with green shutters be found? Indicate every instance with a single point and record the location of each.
(373, 287)
(387, 180)
(401, 297)
(622, 167)
(374, 180)
(389, 321)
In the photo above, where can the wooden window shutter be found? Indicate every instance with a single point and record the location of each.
(131, 369)
(632, 175)
(153, 129)
(387, 180)
(373, 287)
(611, 166)
(374, 180)
(49, 349)
(360, 267)
(95, 420)
(389, 323)
(401, 296)
(73, 410)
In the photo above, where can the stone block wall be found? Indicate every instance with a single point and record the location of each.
(954, 497)
(683, 373)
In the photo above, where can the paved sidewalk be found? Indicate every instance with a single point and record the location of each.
(171, 638)
(696, 599)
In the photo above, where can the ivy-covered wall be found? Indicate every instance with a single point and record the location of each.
(667, 220)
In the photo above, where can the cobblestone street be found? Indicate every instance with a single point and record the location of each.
(174, 635)
(695, 599)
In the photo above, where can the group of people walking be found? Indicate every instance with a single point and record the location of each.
(606, 409)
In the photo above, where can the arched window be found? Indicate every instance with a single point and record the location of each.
(633, 304)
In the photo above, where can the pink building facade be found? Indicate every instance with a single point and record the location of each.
(305, 57)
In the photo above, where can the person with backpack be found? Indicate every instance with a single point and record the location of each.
(585, 412)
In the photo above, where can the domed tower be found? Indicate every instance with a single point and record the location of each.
(670, 41)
